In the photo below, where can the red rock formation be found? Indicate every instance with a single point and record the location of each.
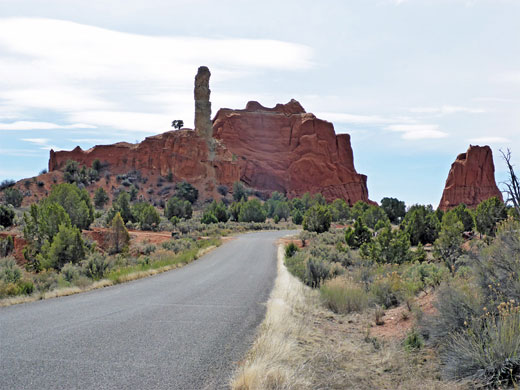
(183, 153)
(471, 179)
(19, 244)
(286, 149)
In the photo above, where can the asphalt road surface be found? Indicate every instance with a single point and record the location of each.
(183, 329)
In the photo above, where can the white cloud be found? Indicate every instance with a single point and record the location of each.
(361, 119)
(418, 131)
(489, 140)
(37, 141)
(78, 70)
(27, 125)
(445, 110)
(130, 121)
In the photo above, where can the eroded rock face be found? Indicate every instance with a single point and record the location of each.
(288, 150)
(183, 153)
(471, 179)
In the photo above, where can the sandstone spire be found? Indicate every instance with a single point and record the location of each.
(203, 124)
(471, 179)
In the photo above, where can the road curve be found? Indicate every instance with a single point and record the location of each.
(182, 329)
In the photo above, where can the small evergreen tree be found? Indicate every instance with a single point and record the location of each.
(239, 192)
(394, 208)
(448, 247)
(340, 211)
(13, 196)
(488, 214)
(6, 216)
(119, 237)
(317, 219)
(100, 197)
(297, 217)
(252, 211)
(66, 247)
(186, 191)
(359, 235)
(176, 207)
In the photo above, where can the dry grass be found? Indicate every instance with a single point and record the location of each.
(301, 345)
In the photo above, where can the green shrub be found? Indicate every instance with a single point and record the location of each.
(6, 246)
(316, 272)
(208, 217)
(96, 266)
(358, 209)
(70, 272)
(239, 192)
(13, 196)
(388, 291)
(146, 215)
(394, 208)
(67, 246)
(177, 207)
(290, 249)
(388, 247)
(46, 280)
(9, 270)
(297, 217)
(178, 246)
(488, 214)
(75, 202)
(42, 223)
(252, 211)
(331, 254)
(339, 210)
(357, 236)
(421, 224)
(373, 215)
(457, 304)
(100, 198)
(448, 247)
(219, 210)
(186, 191)
(424, 275)
(119, 237)
(296, 265)
(6, 184)
(498, 266)
(486, 351)
(413, 341)
(6, 216)
(317, 219)
(343, 296)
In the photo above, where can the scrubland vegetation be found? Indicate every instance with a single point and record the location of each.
(466, 262)
(453, 278)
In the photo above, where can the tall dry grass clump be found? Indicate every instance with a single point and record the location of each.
(274, 361)
(343, 296)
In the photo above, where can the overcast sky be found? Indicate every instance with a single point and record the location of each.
(414, 82)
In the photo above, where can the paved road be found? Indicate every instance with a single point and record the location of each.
(182, 329)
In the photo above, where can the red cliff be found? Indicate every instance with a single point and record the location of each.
(184, 153)
(471, 179)
(288, 150)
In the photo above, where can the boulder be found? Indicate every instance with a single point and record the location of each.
(471, 179)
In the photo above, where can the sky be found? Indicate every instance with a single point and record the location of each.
(414, 82)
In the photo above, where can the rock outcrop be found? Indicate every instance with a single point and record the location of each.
(289, 150)
(471, 179)
(182, 153)
(193, 156)
(203, 125)
(270, 149)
